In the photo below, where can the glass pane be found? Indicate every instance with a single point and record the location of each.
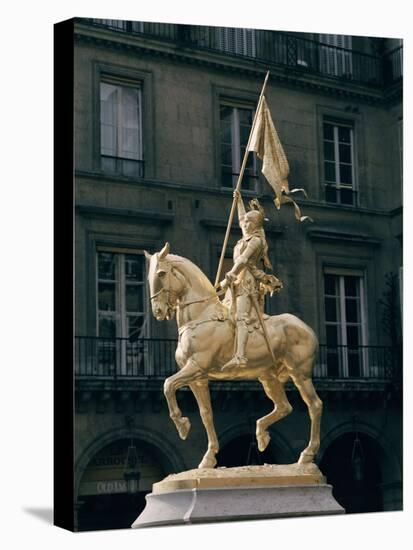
(135, 325)
(226, 134)
(328, 131)
(351, 285)
(353, 358)
(331, 309)
(248, 183)
(109, 98)
(330, 284)
(130, 124)
(347, 196)
(352, 310)
(108, 164)
(332, 335)
(345, 153)
(353, 336)
(108, 139)
(344, 134)
(331, 194)
(107, 327)
(130, 103)
(328, 150)
(130, 144)
(330, 171)
(226, 156)
(250, 163)
(107, 296)
(226, 179)
(134, 268)
(245, 116)
(226, 113)
(132, 168)
(244, 134)
(106, 265)
(134, 298)
(332, 363)
(346, 174)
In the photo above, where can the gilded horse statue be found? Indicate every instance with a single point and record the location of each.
(206, 343)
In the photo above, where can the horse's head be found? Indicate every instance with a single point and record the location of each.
(166, 284)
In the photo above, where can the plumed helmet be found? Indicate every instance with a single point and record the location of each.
(255, 217)
(256, 214)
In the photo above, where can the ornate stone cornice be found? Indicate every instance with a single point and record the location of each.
(351, 238)
(147, 216)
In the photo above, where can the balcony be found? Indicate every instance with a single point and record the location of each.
(106, 359)
(272, 48)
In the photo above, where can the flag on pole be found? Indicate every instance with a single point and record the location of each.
(266, 143)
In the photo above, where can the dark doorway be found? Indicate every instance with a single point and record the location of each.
(243, 451)
(352, 466)
(113, 487)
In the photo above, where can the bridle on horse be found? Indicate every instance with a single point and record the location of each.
(170, 292)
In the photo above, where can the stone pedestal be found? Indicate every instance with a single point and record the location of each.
(248, 492)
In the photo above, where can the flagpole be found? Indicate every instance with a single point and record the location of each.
(237, 188)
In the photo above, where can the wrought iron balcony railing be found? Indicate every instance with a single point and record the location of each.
(120, 358)
(117, 358)
(393, 65)
(272, 48)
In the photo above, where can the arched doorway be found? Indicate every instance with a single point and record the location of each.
(108, 498)
(352, 465)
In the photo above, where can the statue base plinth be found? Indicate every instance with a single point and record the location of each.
(247, 492)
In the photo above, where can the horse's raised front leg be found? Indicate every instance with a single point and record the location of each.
(200, 390)
(275, 391)
(315, 409)
(188, 374)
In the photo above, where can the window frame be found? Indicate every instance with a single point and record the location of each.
(236, 156)
(117, 347)
(129, 77)
(342, 322)
(121, 313)
(354, 117)
(121, 86)
(238, 97)
(338, 185)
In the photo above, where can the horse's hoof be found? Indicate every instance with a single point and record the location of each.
(306, 458)
(263, 439)
(209, 462)
(183, 426)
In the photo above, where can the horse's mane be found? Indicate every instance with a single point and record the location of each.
(191, 270)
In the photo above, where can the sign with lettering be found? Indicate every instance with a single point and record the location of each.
(105, 472)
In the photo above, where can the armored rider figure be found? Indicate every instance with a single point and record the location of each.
(247, 279)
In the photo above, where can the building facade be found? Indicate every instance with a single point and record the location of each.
(162, 117)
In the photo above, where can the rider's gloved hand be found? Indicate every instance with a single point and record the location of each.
(224, 284)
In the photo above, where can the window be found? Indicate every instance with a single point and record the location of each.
(236, 122)
(121, 309)
(118, 24)
(121, 128)
(345, 325)
(338, 154)
(335, 55)
(237, 41)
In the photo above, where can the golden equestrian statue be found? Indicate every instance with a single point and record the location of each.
(233, 339)
(206, 343)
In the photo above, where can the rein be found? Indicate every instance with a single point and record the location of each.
(183, 305)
